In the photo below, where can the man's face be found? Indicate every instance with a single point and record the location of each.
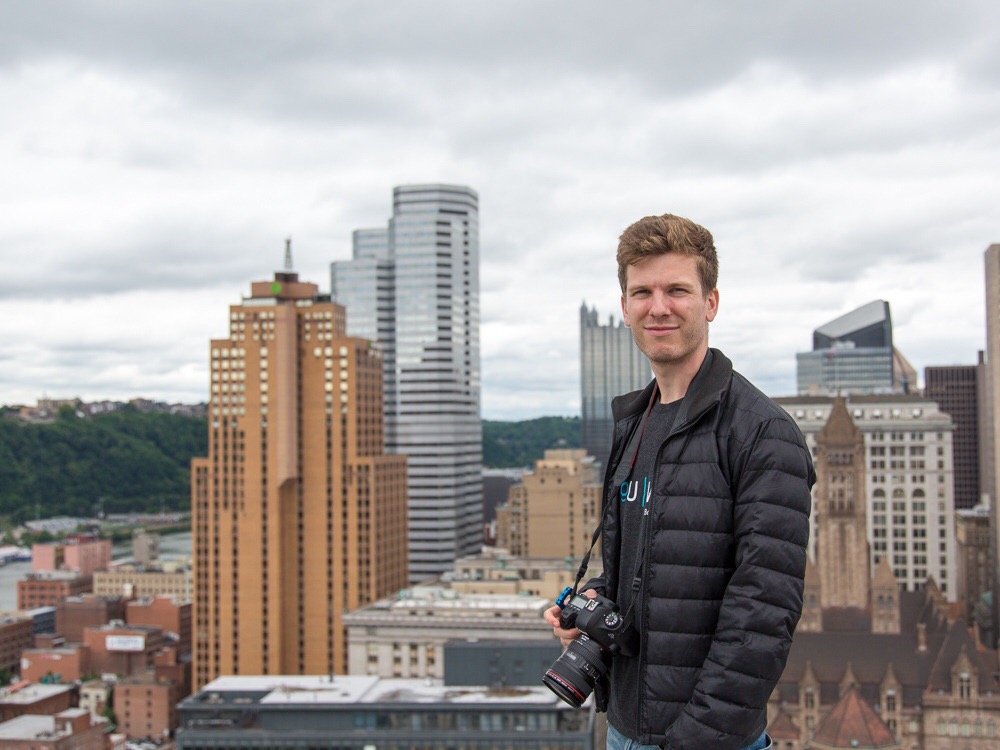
(667, 310)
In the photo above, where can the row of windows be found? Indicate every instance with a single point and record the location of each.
(895, 413)
(966, 728)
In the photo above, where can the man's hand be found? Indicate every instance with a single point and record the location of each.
(551, 616)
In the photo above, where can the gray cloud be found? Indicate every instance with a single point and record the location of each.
(163, 151)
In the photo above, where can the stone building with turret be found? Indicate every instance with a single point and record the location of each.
(871, 663)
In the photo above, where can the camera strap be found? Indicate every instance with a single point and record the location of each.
(582, 571)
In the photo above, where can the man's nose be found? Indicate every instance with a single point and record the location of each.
(660, 306)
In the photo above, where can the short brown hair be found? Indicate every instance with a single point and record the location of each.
(658, 235)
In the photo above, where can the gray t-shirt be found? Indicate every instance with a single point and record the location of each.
(634, 493)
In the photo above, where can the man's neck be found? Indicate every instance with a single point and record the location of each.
(673, 379)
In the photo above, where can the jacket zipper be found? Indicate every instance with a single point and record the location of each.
(640, 604)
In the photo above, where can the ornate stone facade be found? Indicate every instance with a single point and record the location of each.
(925, 675)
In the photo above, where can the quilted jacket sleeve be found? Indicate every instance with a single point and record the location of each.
(771, 479)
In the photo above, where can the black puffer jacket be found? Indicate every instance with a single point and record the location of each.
(722, 591)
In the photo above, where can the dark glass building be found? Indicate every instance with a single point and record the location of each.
(958, 391)
(610, 365)
(854, 354)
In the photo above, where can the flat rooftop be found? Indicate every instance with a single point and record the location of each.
(32, 693)
(29, 727)
(298, 690)
(37, 727)
(448, 600)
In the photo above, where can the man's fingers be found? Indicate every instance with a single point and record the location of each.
(565, 635)
(551, 616)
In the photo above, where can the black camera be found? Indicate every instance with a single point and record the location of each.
(603, 635)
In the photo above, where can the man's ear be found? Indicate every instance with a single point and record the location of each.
(712, 305)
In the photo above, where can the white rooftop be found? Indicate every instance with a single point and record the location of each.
(347, 689)
(32, 693)
(447, 599)
(503, 602)
(28, 727)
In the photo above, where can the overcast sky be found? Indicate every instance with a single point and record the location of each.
(156, 154)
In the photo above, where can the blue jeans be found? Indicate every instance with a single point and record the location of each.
(618, 741)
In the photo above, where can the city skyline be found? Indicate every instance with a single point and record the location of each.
(162, 156)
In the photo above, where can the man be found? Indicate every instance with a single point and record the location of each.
(715, 573)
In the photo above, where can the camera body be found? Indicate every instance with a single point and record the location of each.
(600, 619)
(587, 659)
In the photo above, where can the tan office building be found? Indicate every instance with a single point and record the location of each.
(298, 514)
(137, 580)
(555, 509)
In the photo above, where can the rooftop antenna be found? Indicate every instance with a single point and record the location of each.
(288, 254)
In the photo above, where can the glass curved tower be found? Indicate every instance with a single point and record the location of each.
(414, 286)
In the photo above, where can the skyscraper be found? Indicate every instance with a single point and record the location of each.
(992, 260)
(854, 354)
(415, 284)
(957, 389)
(610, 365)
(298, 515)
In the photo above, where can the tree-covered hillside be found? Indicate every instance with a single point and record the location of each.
(134, 461)
(512, 444)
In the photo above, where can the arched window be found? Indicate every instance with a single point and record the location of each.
(964, 686)
(918, 493)
(878, 493)
(898, 492)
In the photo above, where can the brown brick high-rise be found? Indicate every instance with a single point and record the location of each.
(298, 514)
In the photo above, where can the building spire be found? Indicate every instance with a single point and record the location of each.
(288, 253)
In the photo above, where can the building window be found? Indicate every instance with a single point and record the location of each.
(964, 686)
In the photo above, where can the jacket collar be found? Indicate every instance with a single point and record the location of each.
(706, 390)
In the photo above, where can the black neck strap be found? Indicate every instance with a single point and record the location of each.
(582, 571)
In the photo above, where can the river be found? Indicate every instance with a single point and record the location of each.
(171, 548)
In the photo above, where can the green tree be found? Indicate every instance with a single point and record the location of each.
(512, 444)
(134, 461)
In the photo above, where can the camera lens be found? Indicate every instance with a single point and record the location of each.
(574, 674)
